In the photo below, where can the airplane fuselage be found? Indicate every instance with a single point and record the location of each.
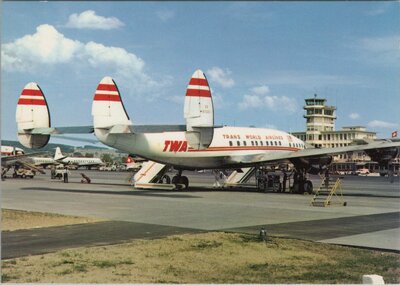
(81, 161)
(229, 148)
(43, 161)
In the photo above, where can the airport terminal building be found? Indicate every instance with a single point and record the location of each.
(320, 132)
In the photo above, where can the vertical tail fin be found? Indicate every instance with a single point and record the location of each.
(58, 154)
(199, 112)
(108, 109)
(32, 112)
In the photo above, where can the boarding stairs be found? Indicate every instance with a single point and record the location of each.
(150, 176)
(328, 193)
(239, 177)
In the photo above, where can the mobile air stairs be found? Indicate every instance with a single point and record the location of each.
(152, 176)
(328, 193)
(240, 177)
(265, 179)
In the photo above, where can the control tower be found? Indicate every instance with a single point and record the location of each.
(320, 122)
(320, 118)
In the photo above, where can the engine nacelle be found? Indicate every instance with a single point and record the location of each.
(384, 155)
(312, 165)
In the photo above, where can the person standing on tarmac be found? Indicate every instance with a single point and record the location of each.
(65, 175)
(53, 172)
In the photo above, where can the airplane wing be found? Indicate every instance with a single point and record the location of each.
(21, 156)
(29, 165)
(316, 152)
(22, 160)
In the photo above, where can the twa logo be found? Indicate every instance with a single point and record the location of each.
(175, 146)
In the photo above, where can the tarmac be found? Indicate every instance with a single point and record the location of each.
(371, 218)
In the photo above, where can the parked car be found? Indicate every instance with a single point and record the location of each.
(108, 168)
(362, 172)
(24, 173)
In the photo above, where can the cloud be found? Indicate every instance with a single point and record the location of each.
(251, 101)
(89, 20)
(260, 90)
(379, 50)
(99, 55)
(48, 47)
(165, 15)
(218, 99)
(258, 99)
(381, 44)
(304, 80)
(382, 124)
(376, 12)
(354, 116)
(255, 101)
(221, 77)
(380, 9)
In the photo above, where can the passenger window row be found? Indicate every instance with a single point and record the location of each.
(257, 143)
(267, 143)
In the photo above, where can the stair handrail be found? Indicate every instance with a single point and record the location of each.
(337, 185)
(316, 193)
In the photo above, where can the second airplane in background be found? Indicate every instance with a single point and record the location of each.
(88, 162)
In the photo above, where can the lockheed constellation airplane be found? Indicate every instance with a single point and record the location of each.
(197, 145)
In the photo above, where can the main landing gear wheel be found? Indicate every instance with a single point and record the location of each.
(308, 187)
(165, 179)
(181, 180)
(185, 181)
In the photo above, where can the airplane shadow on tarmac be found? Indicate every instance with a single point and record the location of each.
(151, 193)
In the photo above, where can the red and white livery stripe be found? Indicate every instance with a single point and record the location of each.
(32, 95)
(107, 91)
(198, 85)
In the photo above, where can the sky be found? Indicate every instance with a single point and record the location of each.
(262, 59)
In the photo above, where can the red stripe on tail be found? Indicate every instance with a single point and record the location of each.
(31, 92)
(198, 81)
(107, 87)
(106, 97)
(198, 93)
(22, 101)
